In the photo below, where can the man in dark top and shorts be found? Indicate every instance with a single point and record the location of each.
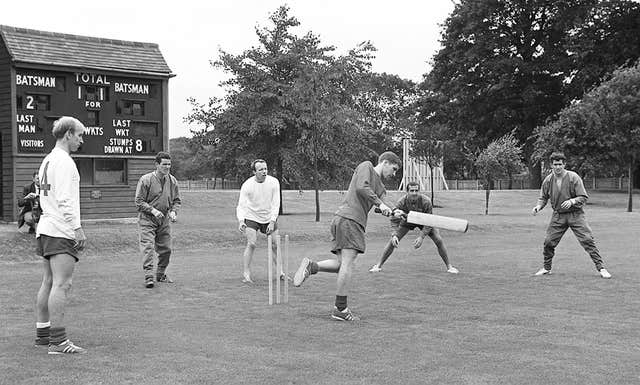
(348, 228)
(413, 201)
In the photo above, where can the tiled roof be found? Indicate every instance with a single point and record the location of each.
(52, 48)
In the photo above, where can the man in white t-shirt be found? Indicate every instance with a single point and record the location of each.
(59, 235)
(257, 210)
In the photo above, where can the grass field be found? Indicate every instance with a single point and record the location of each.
(492, 324)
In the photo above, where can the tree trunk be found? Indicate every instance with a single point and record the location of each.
(433, 202)
(279, 171)
(486, 198)
(316, 186)
(630, 202)
(535, 174)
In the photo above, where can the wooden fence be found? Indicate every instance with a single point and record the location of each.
(210, 184)
(453, 184)
(621, 183)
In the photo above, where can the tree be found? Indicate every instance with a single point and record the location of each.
(602, 131)
(386, 106)
(500, 159)
(256, 118)
(296, 103)
(328, 115)
(509, 65)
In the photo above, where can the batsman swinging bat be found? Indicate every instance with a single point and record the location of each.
(431, 220)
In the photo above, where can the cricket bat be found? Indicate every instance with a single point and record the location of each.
(441, 222)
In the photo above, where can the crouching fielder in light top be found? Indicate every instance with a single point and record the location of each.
(257, 210)
(413, 201)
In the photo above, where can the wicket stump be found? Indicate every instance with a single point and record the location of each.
(282, 264)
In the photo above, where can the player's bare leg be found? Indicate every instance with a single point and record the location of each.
(390, 247)
(348, 259)
(42, 306)
(62, 266)
(442, 250)
(252, 237)
(330, 265)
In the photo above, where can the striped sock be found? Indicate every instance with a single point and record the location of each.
(58, 335)
(42, 333)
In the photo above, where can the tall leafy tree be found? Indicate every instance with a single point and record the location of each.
(296, 103)
(333, 136)
(602, 131)
(509, 65)
(254, 119)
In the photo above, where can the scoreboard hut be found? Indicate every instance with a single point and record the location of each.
(118, 89)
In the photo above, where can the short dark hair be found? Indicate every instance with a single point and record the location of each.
(390, 157)
(34, 174)
(162, 155)
(253, 164)
(413, 183)
(557, 156)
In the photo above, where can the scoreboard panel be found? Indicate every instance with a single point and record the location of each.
(123, 115)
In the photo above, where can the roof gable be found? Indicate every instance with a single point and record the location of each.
(52, 48)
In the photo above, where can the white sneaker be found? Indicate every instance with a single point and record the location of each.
(543, 271)
(246, 278)
(302, 273)
(452, 270)
(375, 269)
(604, 273)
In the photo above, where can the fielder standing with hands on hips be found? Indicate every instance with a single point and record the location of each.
(158, 201)
(348, 228)
(568, 196)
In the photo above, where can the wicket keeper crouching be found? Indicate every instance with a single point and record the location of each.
(413, 201)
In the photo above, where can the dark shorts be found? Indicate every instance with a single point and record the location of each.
(261, 227)
(411, 226)
(346, 234)
(47, 246)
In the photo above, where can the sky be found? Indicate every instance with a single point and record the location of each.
(190, 33)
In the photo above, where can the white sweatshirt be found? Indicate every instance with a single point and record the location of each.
(259, 202)
(59, 195)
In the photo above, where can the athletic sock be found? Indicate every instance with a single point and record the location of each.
(58, 335)
(43, 330)
(341, 302)
(313, 268)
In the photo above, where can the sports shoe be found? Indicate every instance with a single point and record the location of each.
(42, 341)
(283, 276)
(246, 278)
(67, 347)
(604, 273)
(375, 269)
(543, 271)
(302, 273)
(163, 278)
(148, 282)
(345, 315)
(452, 270)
